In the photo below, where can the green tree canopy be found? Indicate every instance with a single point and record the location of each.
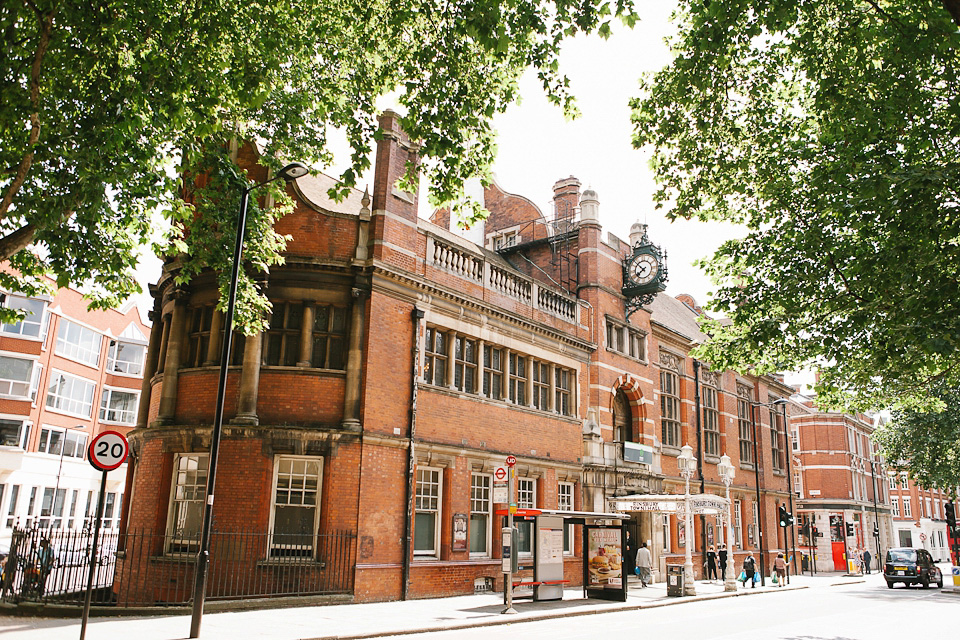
(831, 130)
(926, 444)
(104, 106)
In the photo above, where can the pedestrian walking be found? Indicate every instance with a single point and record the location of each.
(644, 563)
(45, 560)
(866, 560)
(749, 569)
(780, 566)
(629, 556)
(711, 564)
(722, 559)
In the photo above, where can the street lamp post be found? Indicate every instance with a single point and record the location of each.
(290, 172)
(688, 466)
(727, 473)
(876, 511)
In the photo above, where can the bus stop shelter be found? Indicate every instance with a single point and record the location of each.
(604, 542)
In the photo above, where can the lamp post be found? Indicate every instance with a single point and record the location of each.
(688, 466)
(874, 464)
(290, 172)
(727, 473)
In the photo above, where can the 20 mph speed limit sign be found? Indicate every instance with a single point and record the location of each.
(108, 451)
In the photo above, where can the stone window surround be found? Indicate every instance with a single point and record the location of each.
(630, 332)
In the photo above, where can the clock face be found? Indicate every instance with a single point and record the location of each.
(644, 269)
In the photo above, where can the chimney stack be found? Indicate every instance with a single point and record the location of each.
(566, 199)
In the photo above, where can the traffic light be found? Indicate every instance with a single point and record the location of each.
(876, 529)
(789, 518)
(849, 529)
(951, 515)
(783, 515)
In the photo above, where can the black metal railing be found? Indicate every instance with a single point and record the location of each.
(143, 568)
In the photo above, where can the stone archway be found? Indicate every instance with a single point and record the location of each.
(626, 391)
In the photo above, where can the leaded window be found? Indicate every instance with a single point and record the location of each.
(436, 353)
(426, 524)
(465, 364)
(670, 407)
(283, 334)
(563, 394)
(518, 379)
(541, 385)
(296, 501)
(711, 421)
(186, 502)
(492, 372)
(745, 429)
(480, 509)
(329, 338)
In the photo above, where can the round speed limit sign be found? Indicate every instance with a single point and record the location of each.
(108, 451)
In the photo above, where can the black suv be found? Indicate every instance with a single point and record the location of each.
(911, 566)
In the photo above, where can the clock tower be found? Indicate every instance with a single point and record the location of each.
(644, 270)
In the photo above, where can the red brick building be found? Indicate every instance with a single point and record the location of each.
(841, 485)
(918, 516)
(67, 373)
(401, 365)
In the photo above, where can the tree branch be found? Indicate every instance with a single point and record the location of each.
(953, 8)
(46, 26)
(19, 239)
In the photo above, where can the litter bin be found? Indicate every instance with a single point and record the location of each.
(674, 579)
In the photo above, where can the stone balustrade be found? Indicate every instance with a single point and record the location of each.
(466, 264)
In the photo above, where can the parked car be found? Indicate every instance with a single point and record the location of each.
(911, 566)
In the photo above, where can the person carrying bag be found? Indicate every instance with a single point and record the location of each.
(750, 570)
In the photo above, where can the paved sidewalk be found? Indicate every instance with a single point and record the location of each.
(382, 619)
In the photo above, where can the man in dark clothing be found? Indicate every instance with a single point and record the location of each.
(866, 561)
(629, 556)
(749, 569)
(722, 559)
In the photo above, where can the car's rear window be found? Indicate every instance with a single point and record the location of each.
(901, 555)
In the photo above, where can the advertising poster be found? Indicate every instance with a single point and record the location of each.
(604, 558)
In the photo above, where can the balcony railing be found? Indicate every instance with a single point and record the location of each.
(463, 263)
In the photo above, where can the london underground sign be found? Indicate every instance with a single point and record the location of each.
(108, 451)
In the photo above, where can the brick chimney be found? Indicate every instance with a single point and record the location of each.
(394, 210)
(566, 199)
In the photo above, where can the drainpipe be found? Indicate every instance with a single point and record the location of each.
(696, 402)
(417, 316)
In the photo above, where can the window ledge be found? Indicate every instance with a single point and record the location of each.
(747, 465)
(711, 459)
(667, 450)
(276, 562)
(627, 356)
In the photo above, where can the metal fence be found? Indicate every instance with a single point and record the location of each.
(142, 567)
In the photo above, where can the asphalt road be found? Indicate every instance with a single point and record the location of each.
(866, 611)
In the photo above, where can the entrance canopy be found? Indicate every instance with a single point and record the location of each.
(700, 503)
(575, 517)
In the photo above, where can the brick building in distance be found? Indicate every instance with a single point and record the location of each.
(67, 373)
(841, 487)
(402, 364)
(919, 518)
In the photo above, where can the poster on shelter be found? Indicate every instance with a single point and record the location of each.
(551, 546)
(604, 558)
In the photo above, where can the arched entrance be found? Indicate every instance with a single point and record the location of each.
(622, 418)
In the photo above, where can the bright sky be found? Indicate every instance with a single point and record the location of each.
(538, 146)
